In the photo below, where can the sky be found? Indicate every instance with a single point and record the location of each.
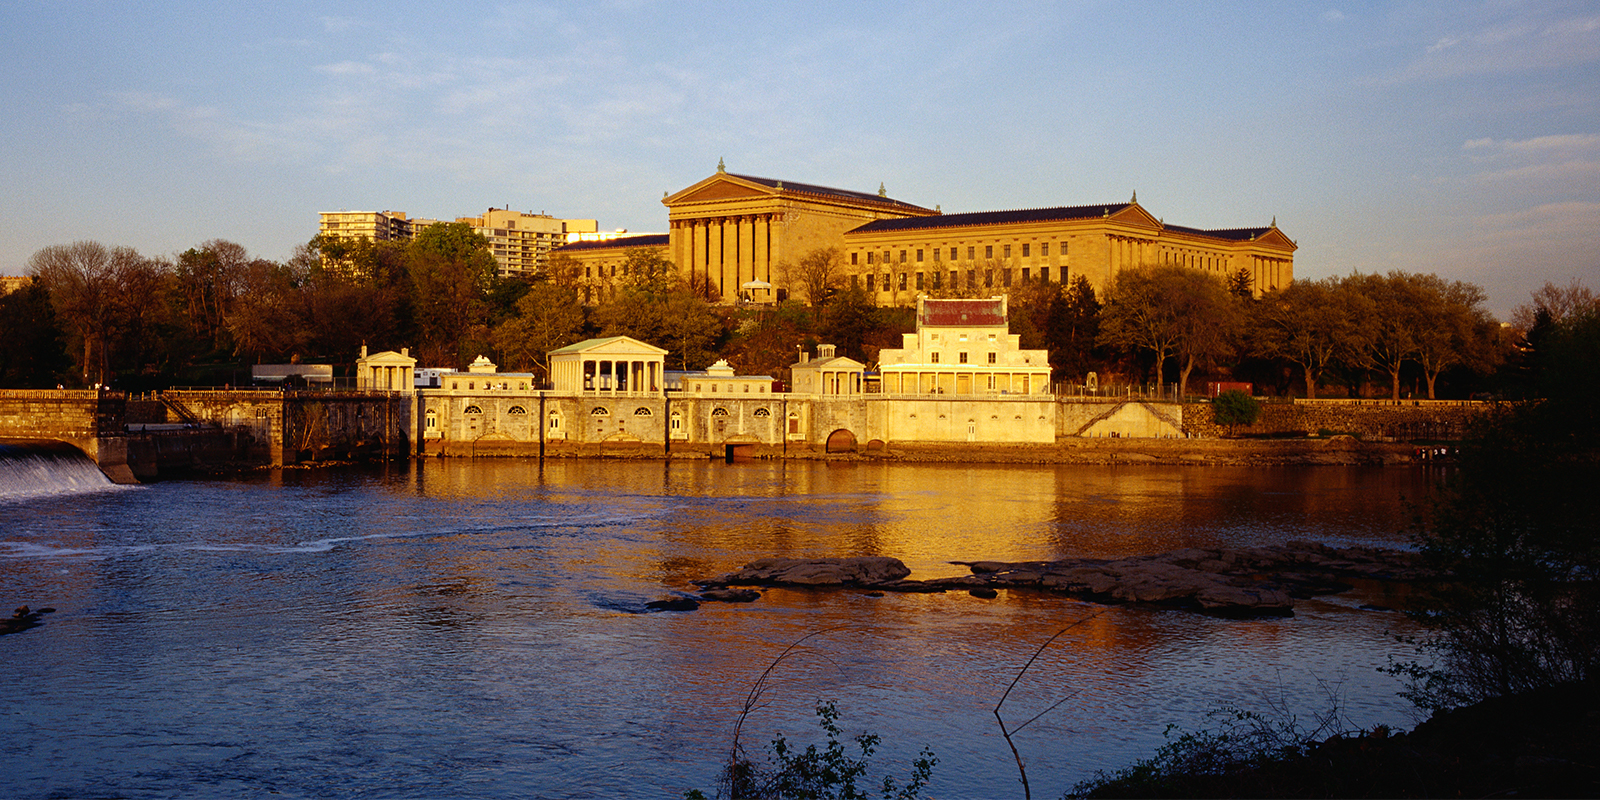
(1456, 138)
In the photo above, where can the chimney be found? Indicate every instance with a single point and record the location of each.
(363, 351)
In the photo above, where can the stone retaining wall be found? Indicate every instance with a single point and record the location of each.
(1379, 420)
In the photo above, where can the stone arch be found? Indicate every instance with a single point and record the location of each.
(761, 412)
(516, 410)
(641, 411)
(719, 412)
(472, 410)
(600, 411)
(841, 441)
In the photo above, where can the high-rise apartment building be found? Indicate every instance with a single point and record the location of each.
(378, 226)
(521, 242)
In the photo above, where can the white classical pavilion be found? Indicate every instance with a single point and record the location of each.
(387, 371)
(963, 347)
(613, 365)
(828, 374)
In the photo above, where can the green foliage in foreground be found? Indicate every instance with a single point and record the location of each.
(1241, 741)
(826, 773)
(1234, 407)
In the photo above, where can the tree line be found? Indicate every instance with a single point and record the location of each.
(99, 315)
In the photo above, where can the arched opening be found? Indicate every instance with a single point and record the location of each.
(841, 441)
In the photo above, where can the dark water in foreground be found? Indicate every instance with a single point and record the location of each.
(466, 629)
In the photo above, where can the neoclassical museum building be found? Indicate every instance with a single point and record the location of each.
(732, 232)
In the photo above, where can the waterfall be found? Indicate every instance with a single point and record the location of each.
(31, 470)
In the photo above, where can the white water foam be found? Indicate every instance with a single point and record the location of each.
(30, 472)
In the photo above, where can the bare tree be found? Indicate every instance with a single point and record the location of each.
(1312, 324)
(1559, 302)
(97, 293)
(817, 274)
(1171, 311)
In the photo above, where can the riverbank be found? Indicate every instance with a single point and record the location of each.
(1337, 450)
(1544, 743)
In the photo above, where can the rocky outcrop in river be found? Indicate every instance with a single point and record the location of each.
(1236, 582)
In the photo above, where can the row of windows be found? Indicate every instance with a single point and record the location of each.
(886, 256)
(935, 280)
(961, 358)
(598, 411)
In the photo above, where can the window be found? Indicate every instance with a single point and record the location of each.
(853, 257)
(1044, 274)
(641, 412)
(870, 279)
(1044, 249)
(903, 257)
(919, 255)
(719, 412)
(961, 357)
(1063, 249)
(516, 411)
(855, 281)
(988, 278)
(919, 282)
(988, 251)
(472, 410)
(972, 252)
(1005, 252)
(935, 254)
(1024, 274)
(972, 279)
(933, 358)
(870, 257)
(936, 277)
(1025, 251)
(992, 356)
(955, 279)
(886, 256)
(902, 281)
(600, 411)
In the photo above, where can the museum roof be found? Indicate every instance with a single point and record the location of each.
(993, 218)
(962, 313)
(647, 240)
(811, 188)
(1236, 234)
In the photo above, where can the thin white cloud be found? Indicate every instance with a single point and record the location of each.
(1333, 15)
(1501, 47)
(347, 68)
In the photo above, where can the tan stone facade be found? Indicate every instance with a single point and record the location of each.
(963, 347)
(728, 230)
(896, 261)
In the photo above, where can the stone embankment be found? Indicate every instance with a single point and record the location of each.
(1240, 582)
(1338, 450)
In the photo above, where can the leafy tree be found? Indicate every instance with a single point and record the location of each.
(452, 273)
(1453, 327)
(848, 321)
(548, 317)
(1242, 284)
(1390, 328)
(767, 339)
(1170, 311)
(267, 321)
(1233, 407)
(1312, 324)
(1514, 534)
(33, 355)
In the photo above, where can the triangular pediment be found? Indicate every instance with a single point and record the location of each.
(611, 346)
(1134, 214)
(721, 186)
(1275, 238)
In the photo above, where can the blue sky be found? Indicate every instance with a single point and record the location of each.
(1456, 138)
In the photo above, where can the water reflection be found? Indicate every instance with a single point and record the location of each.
(469, 629)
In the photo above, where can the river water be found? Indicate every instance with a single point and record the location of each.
(458, 628)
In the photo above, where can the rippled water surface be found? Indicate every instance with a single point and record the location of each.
(470, 629)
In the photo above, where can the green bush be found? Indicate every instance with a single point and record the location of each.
(826, 773)
(1234, 407)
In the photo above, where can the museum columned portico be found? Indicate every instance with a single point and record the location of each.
(606, 376)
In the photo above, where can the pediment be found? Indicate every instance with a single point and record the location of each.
(1134, 214)
(718, 187)
(612, 346)
(1275, 238)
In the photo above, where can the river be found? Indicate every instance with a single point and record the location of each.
(459, 628)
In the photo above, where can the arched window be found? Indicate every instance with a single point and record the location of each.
(761, 412)
(600, 411)
(719, 412)
(641, 411)
(516, 410)
(433, 420)
(472, 410)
